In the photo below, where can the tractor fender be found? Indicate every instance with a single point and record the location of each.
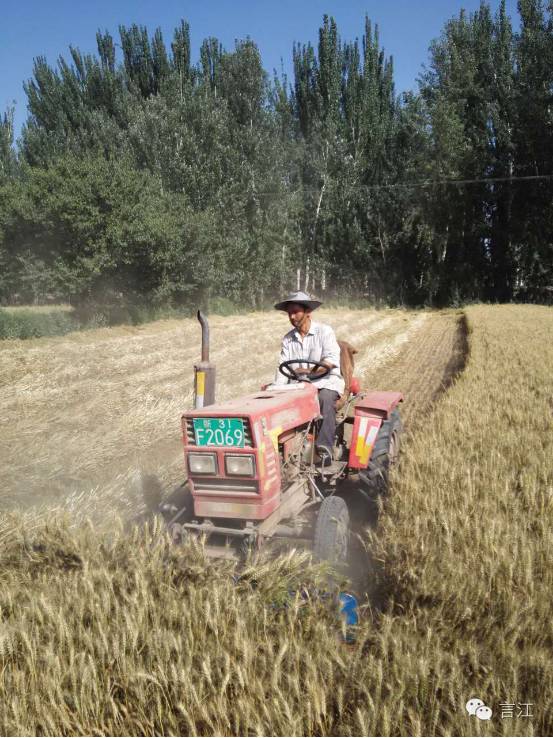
(378, 404)
(371, 410)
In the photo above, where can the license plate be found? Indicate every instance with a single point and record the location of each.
(219, 432)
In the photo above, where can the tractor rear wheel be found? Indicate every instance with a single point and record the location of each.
(332, 531)
(384, 455)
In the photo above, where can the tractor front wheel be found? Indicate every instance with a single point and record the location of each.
(332, 532)
(178, 502)
(178, 506)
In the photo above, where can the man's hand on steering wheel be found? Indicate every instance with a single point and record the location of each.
(303, 374)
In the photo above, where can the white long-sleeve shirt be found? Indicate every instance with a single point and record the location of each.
(319, 344)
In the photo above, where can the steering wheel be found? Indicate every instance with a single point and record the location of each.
(289, 373)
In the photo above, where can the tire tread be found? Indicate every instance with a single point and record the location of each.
(333, 512)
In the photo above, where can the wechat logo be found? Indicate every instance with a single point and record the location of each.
(477, 707)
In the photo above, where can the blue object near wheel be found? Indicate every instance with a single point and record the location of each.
(349, 614)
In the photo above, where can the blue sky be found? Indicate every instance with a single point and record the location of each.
(30, 28)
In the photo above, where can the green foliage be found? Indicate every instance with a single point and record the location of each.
(29, 324)
(153, 181)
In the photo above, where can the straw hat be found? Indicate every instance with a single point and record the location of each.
(301, 298)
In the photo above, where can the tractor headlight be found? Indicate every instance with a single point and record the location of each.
(202, 463)
(240, 466)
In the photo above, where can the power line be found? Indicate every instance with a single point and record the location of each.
(485, 180)
(420, 184)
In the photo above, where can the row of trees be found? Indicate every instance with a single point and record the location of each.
(143, 177)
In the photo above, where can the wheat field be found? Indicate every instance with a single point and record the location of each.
(111, 631)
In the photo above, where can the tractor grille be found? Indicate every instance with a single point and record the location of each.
(226, 486)
(191, 439)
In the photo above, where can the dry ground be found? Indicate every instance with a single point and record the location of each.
(80, 414)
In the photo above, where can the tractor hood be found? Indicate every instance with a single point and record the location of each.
(299, 399)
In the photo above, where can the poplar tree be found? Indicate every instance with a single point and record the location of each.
(7, 154)
(533, 141)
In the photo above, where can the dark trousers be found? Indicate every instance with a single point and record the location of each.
(327, 403)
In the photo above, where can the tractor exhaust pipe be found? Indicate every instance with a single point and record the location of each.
(204, 372)
(205, 336)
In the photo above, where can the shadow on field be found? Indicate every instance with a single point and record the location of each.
(458, 359)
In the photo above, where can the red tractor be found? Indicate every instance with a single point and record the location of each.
(252, 469)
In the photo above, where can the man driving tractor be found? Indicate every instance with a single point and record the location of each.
(309, 341)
